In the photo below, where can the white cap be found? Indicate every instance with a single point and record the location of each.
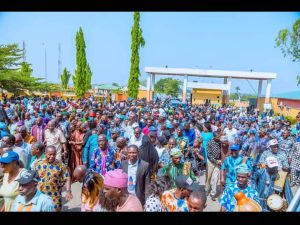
(272, 162)
(273, 142)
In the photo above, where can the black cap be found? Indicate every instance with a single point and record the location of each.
(183, 181)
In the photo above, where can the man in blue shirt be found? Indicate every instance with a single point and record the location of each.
(227, 199)
(30, 198)
(189, 133)
(228, 168)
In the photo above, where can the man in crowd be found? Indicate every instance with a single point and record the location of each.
(176, 168)
(213, 165)
(55, 137)
(138, 173)
(116, 188)
(197, 201)
(53, 176)
(30, 198)
(263, 181)
(136, 139)
(175, 200)
(227, 199)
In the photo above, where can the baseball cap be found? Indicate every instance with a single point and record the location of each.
(272, 162)
(27, 176)
(9, 157)
(183, 181)
(273, 142)
(235, 147)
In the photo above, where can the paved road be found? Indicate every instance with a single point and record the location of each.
(74, 204)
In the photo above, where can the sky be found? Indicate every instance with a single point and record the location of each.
(238, 41)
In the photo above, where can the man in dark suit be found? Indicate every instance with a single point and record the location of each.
(138, 173)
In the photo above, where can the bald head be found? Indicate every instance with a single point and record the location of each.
(121, 142)
(18, 140)
(79, 173)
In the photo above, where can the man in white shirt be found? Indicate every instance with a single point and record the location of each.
(55, 137)
(138, 173)
(136, 138)
(231, 133)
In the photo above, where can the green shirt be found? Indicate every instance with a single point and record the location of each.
(174, 171)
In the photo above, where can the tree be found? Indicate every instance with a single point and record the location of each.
(26, 69)
(289, 43)
(83, 74)
(65, 77)
(88, 78)
(137, 41)
(15, 76)
(167, 86)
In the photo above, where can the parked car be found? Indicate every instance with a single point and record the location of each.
(177, 102)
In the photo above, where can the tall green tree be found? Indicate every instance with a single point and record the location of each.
(83, 74)
(88, 78)
(137, 41)
(288, 40)
(167, 86)
(65, 77)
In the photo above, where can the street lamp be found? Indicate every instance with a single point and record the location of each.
(45, 61)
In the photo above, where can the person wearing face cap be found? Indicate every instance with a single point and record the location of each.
(228, 167)
(175, 200)
(263, 181)
(274, 151)
(115, 188)
(30, 198)
(227, 200)
(11, 169)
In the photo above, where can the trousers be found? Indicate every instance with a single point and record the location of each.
(212, 178)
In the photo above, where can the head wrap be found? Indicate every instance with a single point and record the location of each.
(242, 169)
(175, 152)
(116, 178)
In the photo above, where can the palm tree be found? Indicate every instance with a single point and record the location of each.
(237, 88)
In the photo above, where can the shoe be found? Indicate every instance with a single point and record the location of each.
(213, 198)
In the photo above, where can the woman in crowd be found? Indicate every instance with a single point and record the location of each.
(161, 184)
(148, 153)
(10, 188)
(92, 185)
(206, 135)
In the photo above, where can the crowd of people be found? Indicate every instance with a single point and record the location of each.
(143, 156)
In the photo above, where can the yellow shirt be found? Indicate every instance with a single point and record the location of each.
(9, 191)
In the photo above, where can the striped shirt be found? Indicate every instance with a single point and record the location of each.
(39, 203)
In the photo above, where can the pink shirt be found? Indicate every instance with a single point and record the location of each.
(132, 204)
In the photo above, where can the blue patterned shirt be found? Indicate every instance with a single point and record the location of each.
(228, 200)
(230, 165)
(96, 161)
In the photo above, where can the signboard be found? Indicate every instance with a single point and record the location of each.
(267, 106)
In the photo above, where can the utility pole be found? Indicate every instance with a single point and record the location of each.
(24, 51)
(45, 62)
(59, 61)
